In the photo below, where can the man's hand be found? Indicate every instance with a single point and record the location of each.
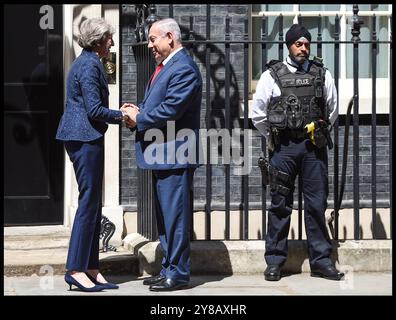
(270, 143)
(131, 111)
(129, 105)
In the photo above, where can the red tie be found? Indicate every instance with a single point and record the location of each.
(159, 67)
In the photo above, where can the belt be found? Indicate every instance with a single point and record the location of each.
(295, 134)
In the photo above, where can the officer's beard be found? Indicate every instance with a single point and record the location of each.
(299, 59)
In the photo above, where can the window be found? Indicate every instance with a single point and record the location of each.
(310, 15)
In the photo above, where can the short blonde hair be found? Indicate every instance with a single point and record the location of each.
(93, 31)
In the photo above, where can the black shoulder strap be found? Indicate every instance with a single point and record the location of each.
(318, 61)
(317, 69)
(271, 63)
(277, 69)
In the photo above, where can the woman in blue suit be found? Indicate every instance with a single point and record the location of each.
(82, 128)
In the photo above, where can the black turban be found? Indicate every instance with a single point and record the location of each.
(295, 32)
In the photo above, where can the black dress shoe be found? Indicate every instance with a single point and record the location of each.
(153, 280)
(167, 285)
(272, 273)
(329, 272)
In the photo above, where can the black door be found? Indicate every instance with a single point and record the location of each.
(33, 105)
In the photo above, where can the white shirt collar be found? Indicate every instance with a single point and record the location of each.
(170, 56)
(293, 64)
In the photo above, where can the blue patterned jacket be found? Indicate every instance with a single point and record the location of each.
(87, 101)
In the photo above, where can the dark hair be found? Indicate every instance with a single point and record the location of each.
(295, 32)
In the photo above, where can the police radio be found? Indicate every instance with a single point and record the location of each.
(318, 84)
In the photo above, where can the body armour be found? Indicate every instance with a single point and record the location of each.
(301, 100)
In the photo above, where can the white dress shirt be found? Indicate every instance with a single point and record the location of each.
(267, 89)
(171, 55)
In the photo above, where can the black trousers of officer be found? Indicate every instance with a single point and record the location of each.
(300, 156)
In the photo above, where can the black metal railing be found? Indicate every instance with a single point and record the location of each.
(146, 219)
(193, 42)
(145, 66)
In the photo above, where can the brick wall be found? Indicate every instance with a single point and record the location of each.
(365, 163)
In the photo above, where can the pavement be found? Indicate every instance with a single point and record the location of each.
(34, 265)
(355, 283)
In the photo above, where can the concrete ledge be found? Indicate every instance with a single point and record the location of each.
(138, 256)
(119, 263)
(39, 262)
(247, 257)
(43, 251)
(52, 261)
(133, 242)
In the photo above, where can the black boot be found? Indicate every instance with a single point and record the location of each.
(272, 273)
(328, 272)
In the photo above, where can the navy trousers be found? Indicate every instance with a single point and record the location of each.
(173, 193)
(300, 157)
(88, 163)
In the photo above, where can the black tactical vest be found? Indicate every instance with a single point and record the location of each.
(301, 100)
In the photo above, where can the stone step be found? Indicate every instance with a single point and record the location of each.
(43, 250)
(247, 257)
(44, 261)
(25, 255)
(35, 243)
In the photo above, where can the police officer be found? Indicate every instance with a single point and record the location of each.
(289, 96)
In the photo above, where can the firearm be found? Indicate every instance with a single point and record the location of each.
(274, 138)
(319, 134)
(263, 165)
(325, 130)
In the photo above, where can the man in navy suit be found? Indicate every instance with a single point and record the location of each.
(170, 111)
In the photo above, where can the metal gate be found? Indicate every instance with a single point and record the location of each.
(145, 66)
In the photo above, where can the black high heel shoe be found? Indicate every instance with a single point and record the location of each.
(106, 285)
(71, 281)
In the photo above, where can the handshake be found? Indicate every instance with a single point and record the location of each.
(129, 112)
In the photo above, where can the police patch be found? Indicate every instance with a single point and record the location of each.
(288, 83)
(303, 82)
